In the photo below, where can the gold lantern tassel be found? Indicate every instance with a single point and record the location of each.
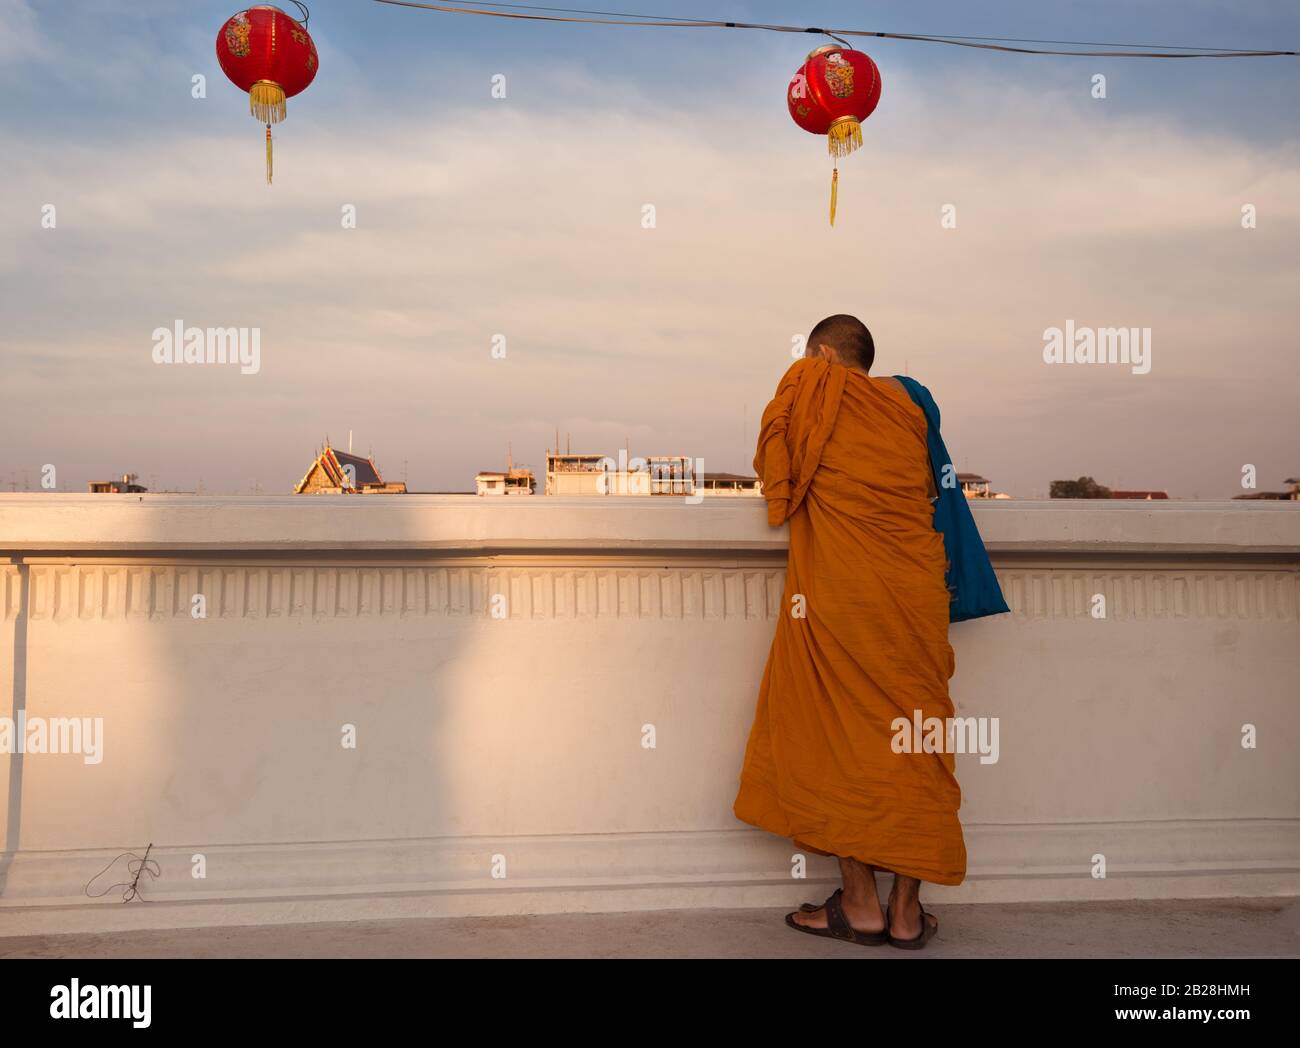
(266, 101)
(844, 136)
(835, 190)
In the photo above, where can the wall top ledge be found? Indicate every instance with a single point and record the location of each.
(51, 523)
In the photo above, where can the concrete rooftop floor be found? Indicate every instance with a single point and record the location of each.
(1178, 928)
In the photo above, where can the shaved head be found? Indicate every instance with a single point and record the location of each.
(848, 337)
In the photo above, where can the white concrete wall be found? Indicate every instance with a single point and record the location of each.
(521, 737)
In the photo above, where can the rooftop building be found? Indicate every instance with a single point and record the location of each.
(973, 486)
(718, 483)
(570, 473)
(126, 486)
(337, 472)
(515, 480)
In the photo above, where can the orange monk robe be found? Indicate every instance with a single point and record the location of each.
(843, 459)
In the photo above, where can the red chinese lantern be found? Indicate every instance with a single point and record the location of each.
(271, 56)
(832, 93)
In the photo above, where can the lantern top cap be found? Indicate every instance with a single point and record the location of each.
(826, 49)
(277, 10)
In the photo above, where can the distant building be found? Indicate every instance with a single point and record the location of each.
(973, 486)
(569, 473)
(1291, 494)
(731, 484)
(1146, 495)
(126, 486)
(340, 473)
(516, 480)
(668, 475)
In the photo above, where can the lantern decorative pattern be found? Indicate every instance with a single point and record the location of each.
(832, 93)
(271, 56)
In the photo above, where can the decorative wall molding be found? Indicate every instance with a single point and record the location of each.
(10, 592)
(92, 591)
(1178, 593)
(538, 591)
(451, 876)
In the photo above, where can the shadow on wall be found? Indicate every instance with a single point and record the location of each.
(14, 792)
(247, 699)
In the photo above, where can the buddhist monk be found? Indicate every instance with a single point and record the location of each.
(862, 641)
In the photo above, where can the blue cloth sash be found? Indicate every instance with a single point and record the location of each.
(971, 581)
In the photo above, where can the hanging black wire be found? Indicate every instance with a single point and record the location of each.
(583, 16)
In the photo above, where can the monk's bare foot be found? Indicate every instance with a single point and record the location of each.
(863, 915)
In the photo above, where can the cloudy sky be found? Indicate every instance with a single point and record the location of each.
(522, 217)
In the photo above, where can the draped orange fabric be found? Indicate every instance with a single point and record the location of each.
(862, 639)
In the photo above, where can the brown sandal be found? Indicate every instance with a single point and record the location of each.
(837, 925)
(927, 933)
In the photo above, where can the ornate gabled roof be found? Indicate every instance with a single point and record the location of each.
(334, 465)
(365, 471)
